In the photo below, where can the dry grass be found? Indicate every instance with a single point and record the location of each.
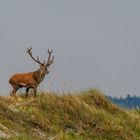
(84, 116)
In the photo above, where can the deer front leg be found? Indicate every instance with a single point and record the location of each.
(27, 90)
(34, 89)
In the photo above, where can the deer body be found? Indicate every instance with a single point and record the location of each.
(31, 79)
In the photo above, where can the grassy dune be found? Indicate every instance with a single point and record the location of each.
(81, 116)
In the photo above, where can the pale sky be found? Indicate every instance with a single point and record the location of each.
(96, 43)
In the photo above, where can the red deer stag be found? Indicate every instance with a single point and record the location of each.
(31, 79)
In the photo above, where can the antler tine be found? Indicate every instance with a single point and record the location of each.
(50, 51)
(29, 51)
(50, 61)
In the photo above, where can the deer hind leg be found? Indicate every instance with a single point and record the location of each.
(13, 93)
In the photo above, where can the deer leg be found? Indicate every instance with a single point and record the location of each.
(14, 91)
(34, 89)
(27, 89)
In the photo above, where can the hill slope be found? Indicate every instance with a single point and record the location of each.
(84, 116)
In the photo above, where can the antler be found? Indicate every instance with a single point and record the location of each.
(50, 60)
(29, 51)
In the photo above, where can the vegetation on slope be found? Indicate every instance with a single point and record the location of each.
(85, 116)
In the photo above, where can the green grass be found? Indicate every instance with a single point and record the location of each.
(81, 116)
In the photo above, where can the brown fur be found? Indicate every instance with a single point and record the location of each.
(24, 80)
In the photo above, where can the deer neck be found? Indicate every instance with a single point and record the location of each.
(38, 76)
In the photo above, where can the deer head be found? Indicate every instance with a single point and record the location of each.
(45, 64)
